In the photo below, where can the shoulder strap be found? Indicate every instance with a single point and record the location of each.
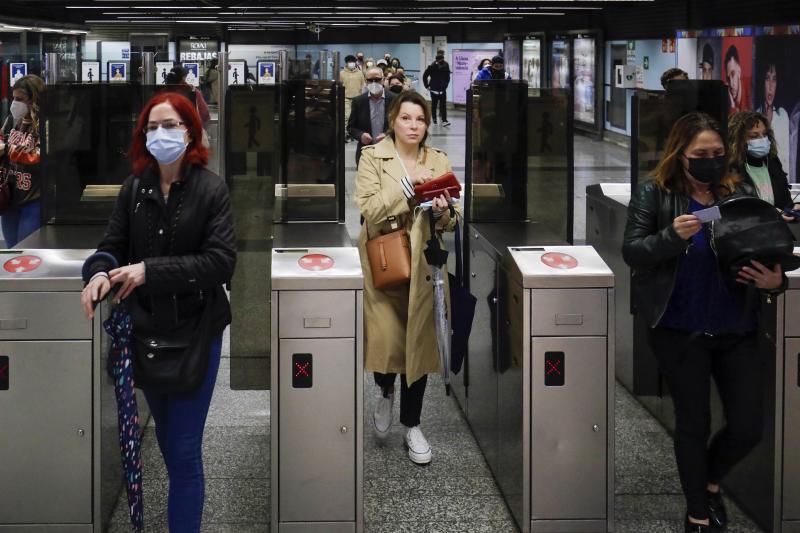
(131, 212)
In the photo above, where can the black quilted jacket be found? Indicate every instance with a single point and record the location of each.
(187, 244)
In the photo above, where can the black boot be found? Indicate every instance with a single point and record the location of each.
(689, 527)
(717, 514)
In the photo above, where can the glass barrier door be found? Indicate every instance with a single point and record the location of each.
(654, 113)
(253, 166)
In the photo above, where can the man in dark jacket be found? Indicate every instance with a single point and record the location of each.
(436, 78)
(369, 116)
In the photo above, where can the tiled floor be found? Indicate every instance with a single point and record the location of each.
(456, 493)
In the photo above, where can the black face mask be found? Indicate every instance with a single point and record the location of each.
(708, 169)
(396, 89)
(498, 74)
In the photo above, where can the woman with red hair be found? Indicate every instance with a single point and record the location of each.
(169, 248)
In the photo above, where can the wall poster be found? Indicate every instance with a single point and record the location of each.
(559, 64)
(465, 66)
(532, 62)
(511, 55)
(584, 68)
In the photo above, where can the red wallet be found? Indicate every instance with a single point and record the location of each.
(436, 187)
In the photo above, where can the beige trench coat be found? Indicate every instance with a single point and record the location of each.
(399, 330)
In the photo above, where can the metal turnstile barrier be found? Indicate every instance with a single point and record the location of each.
(59, 451)
(561, 317)
(317, 390)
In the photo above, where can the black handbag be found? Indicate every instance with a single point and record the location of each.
(751, 229)
(170, 355)
(462, 308)
(170, 351)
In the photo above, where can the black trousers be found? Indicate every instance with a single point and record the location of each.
(439, 100)
(410, 397)
(688, 362)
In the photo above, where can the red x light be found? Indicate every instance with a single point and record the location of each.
(554, 369)
(302, 371)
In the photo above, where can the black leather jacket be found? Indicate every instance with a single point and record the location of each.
(652, 248)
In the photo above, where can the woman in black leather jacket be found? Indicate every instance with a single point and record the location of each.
(170, 247)
(699, 324)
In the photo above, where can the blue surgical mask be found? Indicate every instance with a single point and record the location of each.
(759, 147)
(167, 146)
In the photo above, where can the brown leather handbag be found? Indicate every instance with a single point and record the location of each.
(390, 260)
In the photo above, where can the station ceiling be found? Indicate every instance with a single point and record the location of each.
(223, 15)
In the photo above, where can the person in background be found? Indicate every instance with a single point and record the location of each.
(400, 72)
(20, 163)
(211, 82)
(436, 79)
(395, 83)
(672, 74)
(353, 81)
(753, 154)
(394, 65)
(360, 61)
(388, 58)
(177, 76)
(495, 71)
(700, 325)
(399, 336)
(384, 66)
(777, 117)
(171, 255)
(369, 114)
(368, 64)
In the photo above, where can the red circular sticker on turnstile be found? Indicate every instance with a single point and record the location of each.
(559, 260)
(22, 264)
(315, 262)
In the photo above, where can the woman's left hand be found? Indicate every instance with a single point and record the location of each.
(442, 203)
(130, 276)
(763, 277)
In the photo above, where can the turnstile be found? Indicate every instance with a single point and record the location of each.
(317, 390)
(59, 450)
(560, 315)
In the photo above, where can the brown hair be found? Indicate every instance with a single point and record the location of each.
(669, 174)
(415, 98)
(32, 86)
(738, 127)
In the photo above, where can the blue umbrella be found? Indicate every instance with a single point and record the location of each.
(120, 363)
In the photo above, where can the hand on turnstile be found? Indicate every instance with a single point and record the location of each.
(93, 294)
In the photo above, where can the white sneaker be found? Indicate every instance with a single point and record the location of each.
(419, 451)
(382, 417)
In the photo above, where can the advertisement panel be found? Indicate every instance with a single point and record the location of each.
(709, 58)
(559, 61)
(532, 62)
(777, 94)
(584, 95)
(737, 72)
(162, 69)
(192, 74)
(266, 73)
(465, 67)
(511, 53)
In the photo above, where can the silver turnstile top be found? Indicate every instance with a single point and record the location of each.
(560, 267)
(304, 269)
(42, 270)
(794, 275)
(621, 192)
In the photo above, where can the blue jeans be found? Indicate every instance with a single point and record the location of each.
(19, 222)
(180, 420)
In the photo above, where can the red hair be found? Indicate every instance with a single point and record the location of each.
(196, 153)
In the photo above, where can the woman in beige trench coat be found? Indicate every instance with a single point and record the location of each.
(398, 323)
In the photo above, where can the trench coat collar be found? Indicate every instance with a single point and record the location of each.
(386, 150)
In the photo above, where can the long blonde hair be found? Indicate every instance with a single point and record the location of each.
(669, 174)
(32, 86)
(738, 127)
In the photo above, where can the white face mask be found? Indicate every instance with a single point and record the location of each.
(351, 66)
(167, 146)
(18, 110)
(759, 147)
(375, 88)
